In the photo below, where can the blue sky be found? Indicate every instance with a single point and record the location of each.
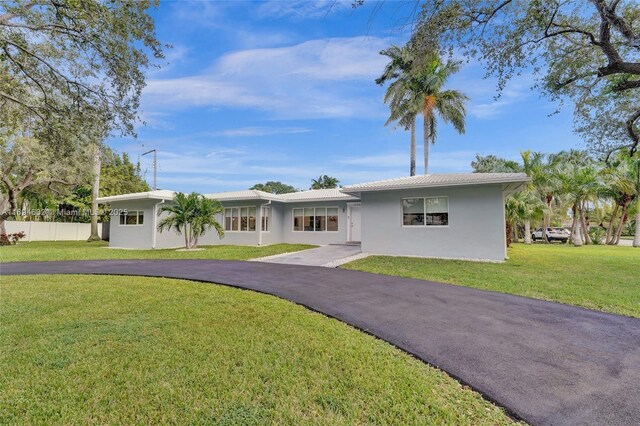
(285, 91)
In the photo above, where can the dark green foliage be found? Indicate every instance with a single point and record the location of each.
(274, 187)
(191, 215)
(324, 182)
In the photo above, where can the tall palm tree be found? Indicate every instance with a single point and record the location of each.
(429, 78)
(192, 215)
(400, 95)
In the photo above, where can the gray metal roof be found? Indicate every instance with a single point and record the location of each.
(247, 194)
(317, 195)
(437, 180)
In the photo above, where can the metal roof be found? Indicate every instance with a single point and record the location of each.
(247, 194)
(160, 194)
(317, 195)
(437, 180)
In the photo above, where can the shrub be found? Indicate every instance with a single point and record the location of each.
(596, 234)
(11, 239)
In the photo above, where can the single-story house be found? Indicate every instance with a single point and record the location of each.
(457, 216)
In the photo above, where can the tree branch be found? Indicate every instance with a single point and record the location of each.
(608, 13)
(29, 107)
(631, 131)
(6, 17)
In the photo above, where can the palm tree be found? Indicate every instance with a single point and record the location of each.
(324, 182)
(542, 170)
(399, 94)
(622, 185)
(429, 79)
(191, 215)
(580, 183)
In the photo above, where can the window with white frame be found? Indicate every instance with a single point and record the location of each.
(315, 219)
(241, 219)
(266, 218)
(132, 217)
(428, 211)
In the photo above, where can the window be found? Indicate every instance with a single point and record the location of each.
(132, 217)
(266, 215)
(298, 216)
(432, 211)
(240, 219)
(316, 219)
(332, 218)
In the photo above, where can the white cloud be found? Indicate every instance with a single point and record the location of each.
(325, 78)
(259, 131)
(301, 9)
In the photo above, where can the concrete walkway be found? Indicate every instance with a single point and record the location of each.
(330, 256)
(547, 363)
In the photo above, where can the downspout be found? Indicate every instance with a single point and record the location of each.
(155, 224)
(259, 224)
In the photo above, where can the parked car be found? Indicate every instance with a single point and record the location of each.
(553, 234)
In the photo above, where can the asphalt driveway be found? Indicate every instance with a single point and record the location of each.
(545, 362)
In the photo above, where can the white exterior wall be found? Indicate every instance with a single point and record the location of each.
(132, 236)
(476, 227)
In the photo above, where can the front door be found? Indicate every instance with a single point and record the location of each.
(354, 223)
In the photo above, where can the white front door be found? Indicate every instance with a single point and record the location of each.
(354, 223)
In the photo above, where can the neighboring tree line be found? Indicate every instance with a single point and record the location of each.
(602, 198)
(277, 187)
(71, 74)
(72, 203)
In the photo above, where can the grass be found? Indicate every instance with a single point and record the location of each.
(603, 278)
(81, 250)
(122, 350)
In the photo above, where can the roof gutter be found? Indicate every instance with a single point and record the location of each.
(355, 191)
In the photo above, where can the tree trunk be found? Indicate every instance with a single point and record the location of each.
(575, 230)
(425, 126)
(623, 218)
(585, 227)
(186, 236)
(95, 193)
(547, 219)
(636, 238)
(623, 221)
(515, 233)
(508, 233)
(527, 231)
(9, 202)
(412, 167)
(607, 239)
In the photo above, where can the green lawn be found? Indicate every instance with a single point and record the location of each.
(122, 350)
(81, 250)
(604, 278)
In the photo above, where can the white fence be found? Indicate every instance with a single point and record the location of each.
(51, 231)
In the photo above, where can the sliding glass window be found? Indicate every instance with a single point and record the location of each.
(240, 219)
(431, 211)
(315, 219)
(266, 217)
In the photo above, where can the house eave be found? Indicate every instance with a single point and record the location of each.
(357, 191)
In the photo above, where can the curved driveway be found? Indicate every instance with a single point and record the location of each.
(546, 362)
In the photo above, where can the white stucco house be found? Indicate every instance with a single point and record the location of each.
(458, 216)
